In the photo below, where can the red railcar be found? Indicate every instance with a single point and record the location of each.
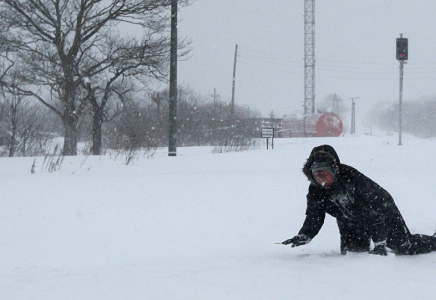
(314, 125)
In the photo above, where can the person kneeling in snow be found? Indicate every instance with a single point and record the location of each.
(362, 208)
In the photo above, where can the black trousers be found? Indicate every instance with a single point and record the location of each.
(413, 244)
(356, 238)
(401, 241)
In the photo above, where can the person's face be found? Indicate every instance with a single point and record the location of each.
(324, 178)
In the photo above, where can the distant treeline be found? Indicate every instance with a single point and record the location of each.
(28, 129)
(418, 117)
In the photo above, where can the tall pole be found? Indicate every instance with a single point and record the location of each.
(402, 55)
(353, 115)
(400, 102)
(232, 107)
(309, 57)
(172, 125)
(215, 96)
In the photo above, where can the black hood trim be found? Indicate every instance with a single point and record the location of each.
(323, 153)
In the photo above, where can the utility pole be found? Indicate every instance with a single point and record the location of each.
(248, 111)
(232, 107)
(335, 108)
(215, 97)
(353, 115)
(172, 125)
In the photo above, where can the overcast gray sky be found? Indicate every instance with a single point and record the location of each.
(355, 50)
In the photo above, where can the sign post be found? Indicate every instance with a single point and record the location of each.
(402, 55)
(268, 133)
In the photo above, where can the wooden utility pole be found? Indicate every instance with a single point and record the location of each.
(232, 107)
(215, 96)
(353, 115)
(172, 125)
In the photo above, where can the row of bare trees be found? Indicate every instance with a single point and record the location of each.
(144, 124)
(80, 57)
(28, 128)
(25, 129)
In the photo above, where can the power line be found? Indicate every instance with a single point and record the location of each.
(271, 65)
(346, 62)
(263, 53)
(271, 59)
(265, 67)
(332, 69)
(280, 59)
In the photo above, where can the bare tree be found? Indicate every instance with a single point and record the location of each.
(6, 63)
(24, 124)
(135, 127)
(61, 42)
(119, 69)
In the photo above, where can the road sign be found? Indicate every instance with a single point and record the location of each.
(267, 133)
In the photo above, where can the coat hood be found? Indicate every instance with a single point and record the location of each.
(322, 154)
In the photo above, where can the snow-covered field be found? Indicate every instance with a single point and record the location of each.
(204, 226)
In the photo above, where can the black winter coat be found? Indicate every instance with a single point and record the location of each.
(353, 198)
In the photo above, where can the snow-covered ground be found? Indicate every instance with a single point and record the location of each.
(204, 226)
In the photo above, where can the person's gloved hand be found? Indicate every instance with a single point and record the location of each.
(298, 240)
(379, 248)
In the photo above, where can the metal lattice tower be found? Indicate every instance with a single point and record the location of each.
(309, 56)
